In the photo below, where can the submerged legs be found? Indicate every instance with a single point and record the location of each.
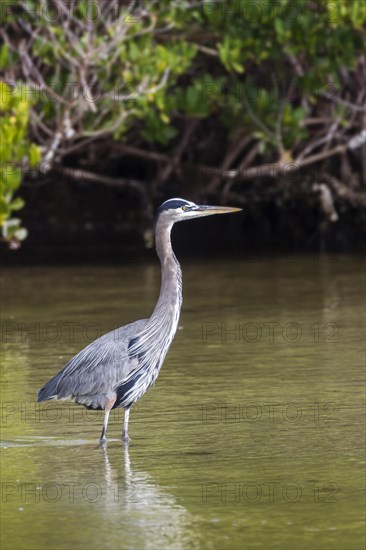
(108, 407)
(103, 438)
(109, 404)
(125, 437)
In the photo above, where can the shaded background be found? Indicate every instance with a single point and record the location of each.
(111, 108)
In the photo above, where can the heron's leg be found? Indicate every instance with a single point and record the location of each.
(103, 438)
(125, 437)
(109, 404)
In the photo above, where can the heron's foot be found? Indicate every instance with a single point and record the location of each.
(103, 440)
(126, 440)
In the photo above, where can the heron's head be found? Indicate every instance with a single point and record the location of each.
(178, 210)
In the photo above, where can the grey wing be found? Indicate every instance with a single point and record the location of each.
(96, 369)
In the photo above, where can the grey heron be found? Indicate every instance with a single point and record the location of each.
(118, 368)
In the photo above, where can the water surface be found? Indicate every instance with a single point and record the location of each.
(252, 436)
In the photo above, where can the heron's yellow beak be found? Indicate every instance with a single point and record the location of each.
(204, 210)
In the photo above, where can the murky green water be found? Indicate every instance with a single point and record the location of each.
(252, 437)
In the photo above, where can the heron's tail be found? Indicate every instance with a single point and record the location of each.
(49, 390)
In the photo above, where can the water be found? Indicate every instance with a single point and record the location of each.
(252, 437)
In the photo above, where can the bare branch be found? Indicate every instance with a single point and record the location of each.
(271, 170)
(78, 174)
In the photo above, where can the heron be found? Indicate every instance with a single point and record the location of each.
(117, 368)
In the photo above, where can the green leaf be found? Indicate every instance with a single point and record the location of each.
(238, 68)
(12, 178)
(279, 26)
(34, 155)
(4, 51)
(17, 204)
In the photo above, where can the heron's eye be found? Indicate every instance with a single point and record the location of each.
(185, 208)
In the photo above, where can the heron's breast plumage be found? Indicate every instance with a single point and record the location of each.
(149, 348)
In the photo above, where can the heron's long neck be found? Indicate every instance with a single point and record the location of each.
(169, 304)
(152, 343)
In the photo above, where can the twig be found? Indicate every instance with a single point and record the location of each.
(326, 201)
(243, 165)
(142, 89)
(191, 125)
(258, 122)
(230, 157)
(79, 174)
(344, 102)
(325, 139)
(344, 192)
(46, 164)
(87, 93)
(208, 51)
